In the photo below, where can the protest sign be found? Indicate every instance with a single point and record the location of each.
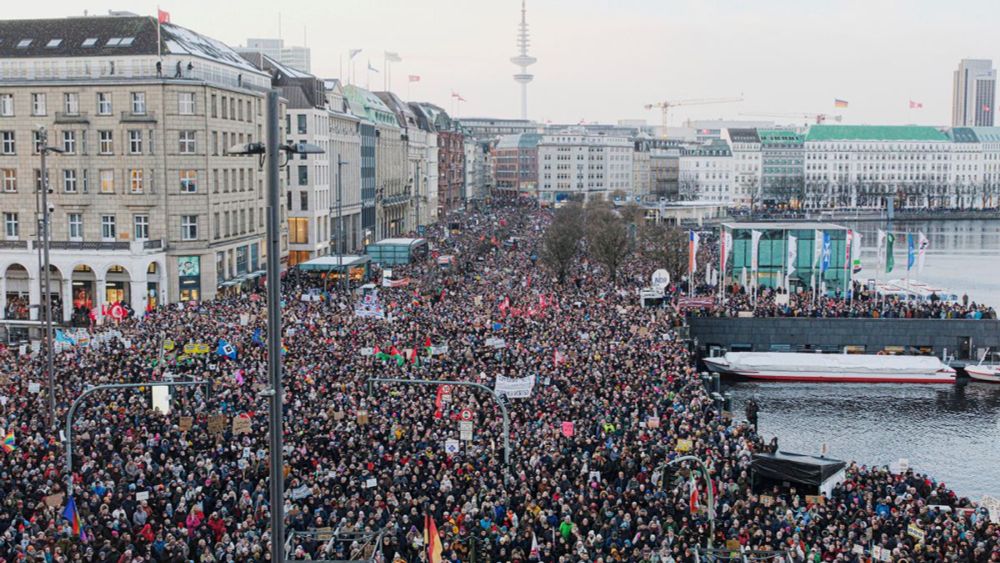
(241, 425)
(514, 388)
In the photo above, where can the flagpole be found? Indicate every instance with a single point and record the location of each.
(159, 49)
(385, 77)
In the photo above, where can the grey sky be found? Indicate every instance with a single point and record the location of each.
(602, 60)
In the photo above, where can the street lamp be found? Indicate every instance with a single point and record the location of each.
(708, 491)
(44, 239)
(270, 152)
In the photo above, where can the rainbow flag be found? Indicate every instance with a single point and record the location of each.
(73, 516)
(838, 103)
(8, 443)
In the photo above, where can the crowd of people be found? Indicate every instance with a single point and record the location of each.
(862, 302)
(615, 396)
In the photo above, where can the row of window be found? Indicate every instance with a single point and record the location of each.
(103, 100)
(109, 227)
(236, 222)
(138, 181)
(71, 141)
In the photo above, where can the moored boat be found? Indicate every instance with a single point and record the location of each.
(844, 368)
(984, 373)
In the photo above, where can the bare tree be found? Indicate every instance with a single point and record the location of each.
(562, 239)
(608, 239)
(665, 246)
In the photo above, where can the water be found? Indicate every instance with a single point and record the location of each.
(964, 255)
(949, 432)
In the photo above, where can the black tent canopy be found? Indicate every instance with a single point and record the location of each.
(796, 468)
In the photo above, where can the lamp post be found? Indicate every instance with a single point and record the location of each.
(345, 281)
(85, 394)
(44, 238)
(270, 153)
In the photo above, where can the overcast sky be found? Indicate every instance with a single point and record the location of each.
(603, 60)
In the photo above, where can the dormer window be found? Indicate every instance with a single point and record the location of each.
(89, 42)
(24, 43)
(53, 43)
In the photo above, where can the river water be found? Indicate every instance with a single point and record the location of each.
(950, 432)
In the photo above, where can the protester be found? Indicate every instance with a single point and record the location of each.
(615, 394)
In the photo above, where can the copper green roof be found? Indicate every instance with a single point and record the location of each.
(987, 134)
(772, 136)
(874, 133)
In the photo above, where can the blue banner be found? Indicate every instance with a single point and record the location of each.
(825, 263)
(911, 251)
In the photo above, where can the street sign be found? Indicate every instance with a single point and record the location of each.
(465, 430)
(451, 446)
(465, 415)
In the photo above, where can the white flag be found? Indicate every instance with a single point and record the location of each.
(535, 552)
(922, 244)
(793, 253)
(754, 242)
(880, 246)
(856, 255)
(817, 248)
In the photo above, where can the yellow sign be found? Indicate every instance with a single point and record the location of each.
(915, 532)
(190, 348)
(168, 345)
(201, 348)
(684, 445)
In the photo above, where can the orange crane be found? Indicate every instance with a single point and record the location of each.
(666, 105)
(819, 118)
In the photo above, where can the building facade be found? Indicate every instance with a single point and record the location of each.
(782, 171)
(973, 93)
(705, 173)
(147, 206)
(345, 194)
(515, 165)
(573, 164)
(299, 58)
(747, 173)
(490, 128)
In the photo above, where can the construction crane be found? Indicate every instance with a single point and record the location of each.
(665, 106)
(819, 118)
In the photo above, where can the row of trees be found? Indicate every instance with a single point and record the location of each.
(610, 237)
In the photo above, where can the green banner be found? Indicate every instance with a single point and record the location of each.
(890, 239)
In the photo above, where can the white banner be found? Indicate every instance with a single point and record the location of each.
(514, 388)
(496, 342)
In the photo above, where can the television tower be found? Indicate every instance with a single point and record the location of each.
(523, 60)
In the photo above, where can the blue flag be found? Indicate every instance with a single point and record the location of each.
(64, 338)
(497, 326)
(911, 251)
(825, 264)
(226, 349)
(73, 516)
(257, 339)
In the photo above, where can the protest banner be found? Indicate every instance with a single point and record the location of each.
(514, 388)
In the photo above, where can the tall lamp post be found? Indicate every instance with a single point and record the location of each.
(44, 238)
(708, 490)
(270, 153)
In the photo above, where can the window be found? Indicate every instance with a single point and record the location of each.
(135, 180)
(38, 104)
(108, 229)
(185, 103)
(105, 143)
(189, 181)
(215, 143)
(216, 226)
(304, 201)
(135, 141)
(298, 230)
(187, 142)
(141, 224)
(75, 226)
(303, 175)
(225, 231)
(215, 106)
(6, 105)
(107, 181)
(69, 181)
(138, 103)
(224, 106)
(302, 124)
(71, 103)
(7, 145)
(69, 142)
(103, 103)
(89, 42)
(9, 180)
(24, 43)
(189, 227)
(10, 225)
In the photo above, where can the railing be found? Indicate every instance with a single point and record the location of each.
(13, 244)
(148, 117)
(88, 245)
(152, 244)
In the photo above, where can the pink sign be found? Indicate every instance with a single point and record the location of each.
(567, 429)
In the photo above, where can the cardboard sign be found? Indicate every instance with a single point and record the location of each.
(55, 501)
(338, 415)
(653, 422)
(767, 500)
(241, 425)
(363, 417)
(142, 495)
(496, 342)
(858, 549)
(370, 482)
(217, 424)
(186, 422)
(367, 351)
(567, 429)
(244, 319)
(733, 545)
(684, 446)
(815, 499)
(34, 387)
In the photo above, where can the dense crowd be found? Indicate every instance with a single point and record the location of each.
(771, 302)
(615, 394)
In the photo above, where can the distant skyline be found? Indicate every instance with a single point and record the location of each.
(603, 60)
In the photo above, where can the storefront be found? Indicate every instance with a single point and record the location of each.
(189, 278)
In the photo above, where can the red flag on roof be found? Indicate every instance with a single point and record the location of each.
(163, 17)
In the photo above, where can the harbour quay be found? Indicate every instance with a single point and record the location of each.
(959, 341)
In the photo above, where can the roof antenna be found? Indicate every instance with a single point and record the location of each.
(279, 25)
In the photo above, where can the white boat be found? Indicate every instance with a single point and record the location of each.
(985, 372)
(844, 368)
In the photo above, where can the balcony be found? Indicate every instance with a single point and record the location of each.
(133, 247)
(13, 244)
(88, 245)
(78, 117)
(129, 117)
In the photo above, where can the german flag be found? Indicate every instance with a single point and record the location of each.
(432, 540)
(838, 103)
